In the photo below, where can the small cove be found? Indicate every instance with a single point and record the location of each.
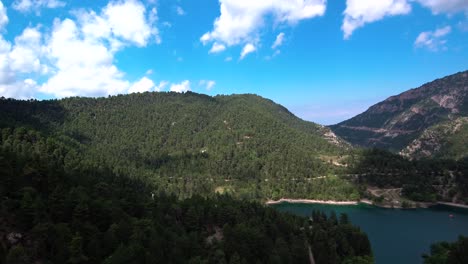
(396, 235)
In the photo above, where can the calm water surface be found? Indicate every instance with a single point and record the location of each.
(397, 235)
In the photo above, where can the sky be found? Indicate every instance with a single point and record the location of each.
(326, 61)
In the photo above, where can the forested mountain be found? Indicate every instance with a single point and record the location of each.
(189, 143)
(429, 121)
(53, 210)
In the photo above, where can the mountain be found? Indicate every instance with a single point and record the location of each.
(143, 178)
(242, 145)
(189, 143)
(53, 212)
(429, 121)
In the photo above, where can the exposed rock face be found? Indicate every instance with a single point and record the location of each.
(332, 138)
(447, 139)
(396, 122)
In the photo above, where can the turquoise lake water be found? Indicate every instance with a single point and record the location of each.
(397, 235)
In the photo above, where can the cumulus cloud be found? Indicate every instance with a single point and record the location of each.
(433, 40)
(35, 5)
(3, 16)
(89, 72)
(141, 86)
(120, 23)
(360, 12)
(248, 48)
(278, 41)
(208, 84)
(216, 48)
(182, 87)
(127, 20)
(161, 86)
(445, 6)
(10, 85)
(20, 58)
(92, 72)
(27, 51)
(241, 20)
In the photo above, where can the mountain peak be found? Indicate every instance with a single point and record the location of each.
(395, 122)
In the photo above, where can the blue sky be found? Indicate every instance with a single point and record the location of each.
(324, 60)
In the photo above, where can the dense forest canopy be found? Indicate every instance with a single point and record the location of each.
(190, 143)
(448, 253)
(56, 210)
(172, 178)
(243, 145)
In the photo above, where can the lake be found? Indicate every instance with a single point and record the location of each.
(397, 235)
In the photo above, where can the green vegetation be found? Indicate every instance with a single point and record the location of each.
(422, 180)
(188, 143)
(54, 209)
(241, 145)
(445, 140)
(448, 253)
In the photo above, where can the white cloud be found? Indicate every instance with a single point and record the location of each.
(433, 40)
(141, 86)
(149, 72)
(161, 86)
(36, 5)
(208, 84)
(10, 84)
(180, 11)
(181, 87)
(3, 16)
(241, 20)
(27, 51)
(360, 12)
(248, 48)
(445, 6)
(228, 58)
(217, 48)
(119, 23)
(278, 41)
(91, 72)
(127, 20)
(77, 57)
(19, 89)
(19, 59)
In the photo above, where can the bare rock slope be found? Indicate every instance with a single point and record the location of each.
(421, 122)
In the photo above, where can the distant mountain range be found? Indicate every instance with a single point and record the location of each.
(429, 121)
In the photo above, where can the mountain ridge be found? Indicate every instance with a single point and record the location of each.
(191, 143)
(400, 119)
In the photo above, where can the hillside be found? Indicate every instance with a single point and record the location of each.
(403, 121)
(51, 213)
(243, 145)
(447, 139)
(190, 143)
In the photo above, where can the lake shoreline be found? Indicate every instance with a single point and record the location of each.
(311, 201)
(465, 206)
(363, 201)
